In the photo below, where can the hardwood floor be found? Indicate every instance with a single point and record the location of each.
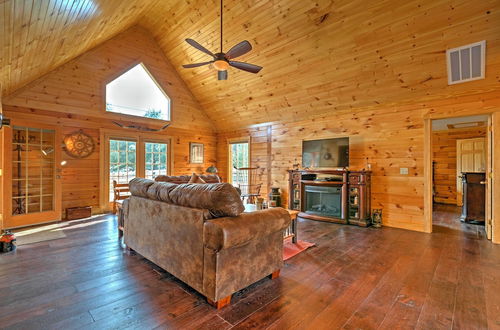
(355, 278)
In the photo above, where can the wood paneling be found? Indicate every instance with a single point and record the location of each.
(38, 36)
(78, 87)
(323, 56)
(260, 145)
(72, 97)
(444, 149)
(388, 140)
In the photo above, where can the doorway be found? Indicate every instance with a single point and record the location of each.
(33, 174)
(127, 156)
(239, 157)
(461, 163)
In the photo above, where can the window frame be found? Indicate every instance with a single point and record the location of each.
(116, 74)
(229, 155)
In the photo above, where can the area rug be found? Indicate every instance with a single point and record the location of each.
(38, 234)
(292, 249)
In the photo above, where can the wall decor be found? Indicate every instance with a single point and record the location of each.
(142, 128)
(79, 144)
(196, 151)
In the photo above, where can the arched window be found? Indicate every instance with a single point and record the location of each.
(136, 93)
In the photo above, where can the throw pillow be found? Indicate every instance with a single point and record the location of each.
(196, 179)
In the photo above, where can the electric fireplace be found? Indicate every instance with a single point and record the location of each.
(323, 201)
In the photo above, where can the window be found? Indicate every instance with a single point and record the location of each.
(136, 93)
(122, 162)
(239, 157)
(156, 159)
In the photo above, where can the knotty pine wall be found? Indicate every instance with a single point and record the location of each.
(444, 150)
(260, 156)
(72, 97)
(387, 138)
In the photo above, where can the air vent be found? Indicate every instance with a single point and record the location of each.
(466, 63)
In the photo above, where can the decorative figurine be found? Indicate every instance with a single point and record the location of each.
(377, 218)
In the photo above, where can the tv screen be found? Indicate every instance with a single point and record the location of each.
(325, 153)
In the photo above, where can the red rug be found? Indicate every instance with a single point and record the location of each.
(292, 249)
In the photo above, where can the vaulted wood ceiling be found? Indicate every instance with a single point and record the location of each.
(39, 35)
(318, 56)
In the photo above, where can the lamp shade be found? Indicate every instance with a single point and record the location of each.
(212, 169)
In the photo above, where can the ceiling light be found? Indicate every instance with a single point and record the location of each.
(221, 65)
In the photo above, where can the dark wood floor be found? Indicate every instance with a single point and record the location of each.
(355, 278)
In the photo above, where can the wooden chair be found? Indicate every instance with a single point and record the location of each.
(247, 181)
(121, 192)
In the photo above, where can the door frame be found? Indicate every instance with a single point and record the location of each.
(140, 139)
(459, 142)
(229, 153)
(17, 221)
(492, 170)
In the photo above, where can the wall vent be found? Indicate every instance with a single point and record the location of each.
(466, 63)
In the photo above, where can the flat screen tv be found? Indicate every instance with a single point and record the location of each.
(327, 153)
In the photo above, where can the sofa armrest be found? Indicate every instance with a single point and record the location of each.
(224, 233)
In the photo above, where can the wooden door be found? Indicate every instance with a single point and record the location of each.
(32, 183)
(471, 157)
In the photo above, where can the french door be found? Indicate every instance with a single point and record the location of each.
(128, 157)
(32, 182)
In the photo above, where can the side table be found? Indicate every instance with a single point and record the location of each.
(291, 231)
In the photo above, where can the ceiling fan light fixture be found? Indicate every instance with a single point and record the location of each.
(221, 65)
(222, 61)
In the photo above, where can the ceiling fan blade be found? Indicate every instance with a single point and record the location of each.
(199, 47)
(238, 50)
(245, 66)
(194, 65)
(221, 75)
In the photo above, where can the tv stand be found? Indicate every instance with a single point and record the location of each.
(339, 196)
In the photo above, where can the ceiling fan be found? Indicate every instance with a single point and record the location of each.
(222, 61)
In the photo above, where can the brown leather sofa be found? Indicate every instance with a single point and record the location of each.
(208, 178)
(198, 233)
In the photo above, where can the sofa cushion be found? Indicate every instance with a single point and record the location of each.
(208, 178)
(160, 191)
(221, 199)
(140, 186)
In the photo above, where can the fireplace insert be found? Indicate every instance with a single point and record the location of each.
(323, 201)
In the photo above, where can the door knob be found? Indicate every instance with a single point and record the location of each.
(482, 182)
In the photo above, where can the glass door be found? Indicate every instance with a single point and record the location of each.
(131, 156)
(239, 157)
(156, 159)
(122, 162)
(34, 188)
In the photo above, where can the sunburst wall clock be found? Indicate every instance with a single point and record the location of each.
(79, 144)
